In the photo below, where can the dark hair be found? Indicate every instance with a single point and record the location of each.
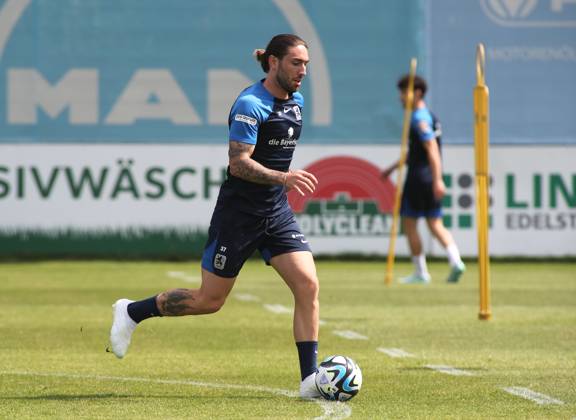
(278, 47)
(419, 84)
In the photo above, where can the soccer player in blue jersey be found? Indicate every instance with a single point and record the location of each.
(252, 211)
(424, 187)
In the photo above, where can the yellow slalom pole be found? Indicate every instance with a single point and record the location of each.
(481, 141)
(399, 180)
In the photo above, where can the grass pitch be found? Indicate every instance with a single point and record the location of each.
(242, 362)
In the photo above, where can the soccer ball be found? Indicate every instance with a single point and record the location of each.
(339, 378)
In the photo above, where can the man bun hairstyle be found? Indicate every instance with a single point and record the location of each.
(278, 47)
(419, 84)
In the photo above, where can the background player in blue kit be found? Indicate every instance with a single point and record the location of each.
(424, 187)
(252, 211)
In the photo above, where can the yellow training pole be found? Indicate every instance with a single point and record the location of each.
(481, 140)
(399, 180)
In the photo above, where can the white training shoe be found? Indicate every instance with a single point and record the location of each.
(456, 272)
(308, 387)
(122, 328)
(416, 279)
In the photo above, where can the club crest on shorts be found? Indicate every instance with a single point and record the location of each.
(219, 261)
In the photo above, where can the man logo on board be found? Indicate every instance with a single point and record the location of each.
(511, 9)
(350, 201)
(530, 13)
(147, 95)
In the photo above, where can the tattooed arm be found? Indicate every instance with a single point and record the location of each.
(243, 166)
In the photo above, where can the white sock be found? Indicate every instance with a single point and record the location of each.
(419, 262)
(453, 255)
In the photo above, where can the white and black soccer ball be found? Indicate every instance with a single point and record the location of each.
(339, 378)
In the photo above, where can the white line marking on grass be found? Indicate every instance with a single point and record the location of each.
(331, 409)
(537, 397)
(349, 335)
(281, 310)
(274, 308)
(246, 297)
(449, 370)
(183, 276)
(277, 309)
(394, 352)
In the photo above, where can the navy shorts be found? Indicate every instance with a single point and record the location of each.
(234, 236)
(418, 198)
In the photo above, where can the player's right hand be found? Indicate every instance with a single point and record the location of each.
(439, 189)
(387, 172)
(301, 181)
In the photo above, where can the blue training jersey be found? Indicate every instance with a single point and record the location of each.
(273, 125)
(424, 127)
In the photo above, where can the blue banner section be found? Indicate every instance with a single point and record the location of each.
(150, 71)
(530, 67)
(144, 71)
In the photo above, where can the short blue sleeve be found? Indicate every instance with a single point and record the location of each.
(244, 121)
(422, 121)
(299, 99)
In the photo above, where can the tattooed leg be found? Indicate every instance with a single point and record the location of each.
(176, 302)
(206, 300)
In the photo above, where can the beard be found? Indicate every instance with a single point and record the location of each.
(284, 82)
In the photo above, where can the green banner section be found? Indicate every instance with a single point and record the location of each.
(121, 244)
